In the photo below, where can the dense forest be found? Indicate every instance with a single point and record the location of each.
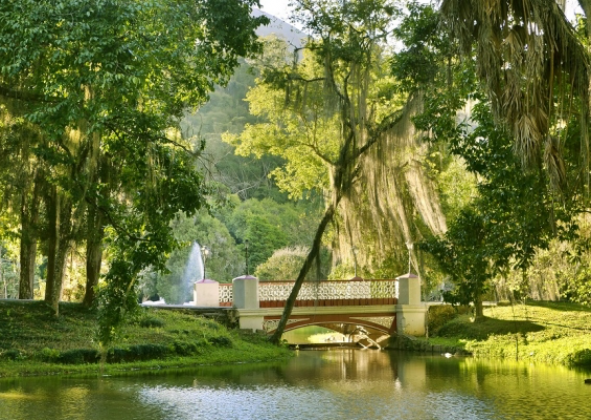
(455, 136)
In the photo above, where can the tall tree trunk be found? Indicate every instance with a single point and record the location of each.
(28, 247)
(94, 252)
(586, 6)
(59, 211)
(314, 253)
(2, 278)
(478, 309)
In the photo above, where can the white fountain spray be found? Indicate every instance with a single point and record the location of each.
(194, 267)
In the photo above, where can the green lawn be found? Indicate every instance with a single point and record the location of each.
(554, 332)
(33, 342)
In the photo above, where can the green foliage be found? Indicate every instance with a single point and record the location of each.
(284, 264)
(227, 111)
(78, 356)
(442, 315)
(419, 62)
(49, 355)
(147, 351)
(269, 226)
(581, 358)
(300, 131)
(12, 354)
(9, 274)
(514, 215)
(151, 322)
(578, 289)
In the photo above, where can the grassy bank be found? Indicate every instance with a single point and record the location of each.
(33, 342)
(547, 332)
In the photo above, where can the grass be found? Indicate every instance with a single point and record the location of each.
(552, 332)
(33, 342)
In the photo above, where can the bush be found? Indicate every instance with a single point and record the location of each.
(13, 355)
(582, 358)
(137, 352)
(151, 322)
(49, 355)
(441, 315)
(284, 264)
(221, 341)
(186, 348)
(79, 356)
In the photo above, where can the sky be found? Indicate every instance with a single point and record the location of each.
(279, 8)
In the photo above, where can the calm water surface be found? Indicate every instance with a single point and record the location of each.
(336, 384)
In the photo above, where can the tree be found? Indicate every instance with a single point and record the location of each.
(534, 67)
(514, 215)
(111, 80)
(227, 111)
(285, 264)
(328, 111)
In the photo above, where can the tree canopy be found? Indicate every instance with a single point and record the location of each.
(92, 95)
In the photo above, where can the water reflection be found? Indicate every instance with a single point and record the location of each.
(333, 384)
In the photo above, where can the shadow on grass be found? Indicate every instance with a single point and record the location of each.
(463, 327)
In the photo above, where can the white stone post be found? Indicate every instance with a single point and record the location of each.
(206, 293)
(246, 297)
(411, 313)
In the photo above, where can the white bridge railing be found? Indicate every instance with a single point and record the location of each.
(321, 293)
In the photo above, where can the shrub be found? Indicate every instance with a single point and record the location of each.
(441, 315)
(151, 322)
(136, 353)
(13, 355)
(79, 356)
(221, 341)
(185, 348)
(582, 358)
(49, 355)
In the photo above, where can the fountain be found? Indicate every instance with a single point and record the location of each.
(205, 291)
(194, 270)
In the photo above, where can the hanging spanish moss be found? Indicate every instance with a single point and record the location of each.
(393, 202)
(533, 66)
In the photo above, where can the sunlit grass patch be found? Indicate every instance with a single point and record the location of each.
(554, 332)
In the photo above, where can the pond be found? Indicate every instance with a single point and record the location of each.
(331, 384)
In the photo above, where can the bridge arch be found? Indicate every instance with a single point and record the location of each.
(383, 323)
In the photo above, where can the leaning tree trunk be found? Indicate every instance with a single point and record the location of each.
(94, 253)
(313, 254)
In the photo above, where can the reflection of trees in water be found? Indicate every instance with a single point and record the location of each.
(59, 398)
(414, 386)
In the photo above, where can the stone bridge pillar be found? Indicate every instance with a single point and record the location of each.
(411, 313)
(206, 293)
(246, 297)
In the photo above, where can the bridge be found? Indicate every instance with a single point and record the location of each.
(382, 307)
